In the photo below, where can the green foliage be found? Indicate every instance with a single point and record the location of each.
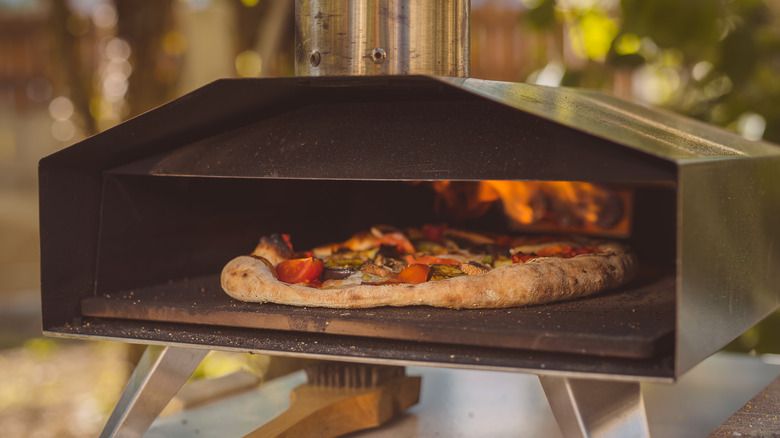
(688, 25)
(716, 60)
(541, 16)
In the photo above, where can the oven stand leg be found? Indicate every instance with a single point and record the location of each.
(159, 375)
(596, 408)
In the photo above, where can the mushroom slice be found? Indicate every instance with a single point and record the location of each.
(373, 269)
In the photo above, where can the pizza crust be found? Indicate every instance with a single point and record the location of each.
(538, 281)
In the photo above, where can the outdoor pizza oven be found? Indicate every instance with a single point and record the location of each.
(138, 221)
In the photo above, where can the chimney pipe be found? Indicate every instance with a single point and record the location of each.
(382, 37)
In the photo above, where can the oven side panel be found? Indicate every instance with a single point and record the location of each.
(728, 252)
(69, 220)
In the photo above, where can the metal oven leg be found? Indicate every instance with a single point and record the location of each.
(158, 376)
(596, 409)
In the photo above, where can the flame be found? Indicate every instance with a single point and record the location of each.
(569, 206)
(521, 201)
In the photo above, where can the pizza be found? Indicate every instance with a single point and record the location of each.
(433, 265)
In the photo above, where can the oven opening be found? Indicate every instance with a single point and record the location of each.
(164, 241)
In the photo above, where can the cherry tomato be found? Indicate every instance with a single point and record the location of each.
(430, 260)
(413, 274)
(306, 270)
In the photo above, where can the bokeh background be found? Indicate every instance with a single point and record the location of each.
(72, 68)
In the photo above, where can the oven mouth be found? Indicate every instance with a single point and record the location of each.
(164, 241)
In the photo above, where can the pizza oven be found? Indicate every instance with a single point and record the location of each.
(138, 221)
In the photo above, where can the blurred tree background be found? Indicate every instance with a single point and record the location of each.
(715, 60)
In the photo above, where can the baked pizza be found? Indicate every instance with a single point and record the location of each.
(432, 266)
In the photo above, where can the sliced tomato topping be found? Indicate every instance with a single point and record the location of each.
(434, 233)
(431, 260)
(413, 274)
(521, 257)
(306, 270)
(555, 250)
(398, 240)
(561, 251)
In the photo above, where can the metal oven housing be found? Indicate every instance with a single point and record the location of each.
(137, 221)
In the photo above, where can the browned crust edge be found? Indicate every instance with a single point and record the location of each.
(541, 280)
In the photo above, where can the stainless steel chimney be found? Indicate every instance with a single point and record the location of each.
(382, 37)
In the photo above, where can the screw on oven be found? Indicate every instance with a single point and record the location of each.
(315, 58)
(378, 55)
